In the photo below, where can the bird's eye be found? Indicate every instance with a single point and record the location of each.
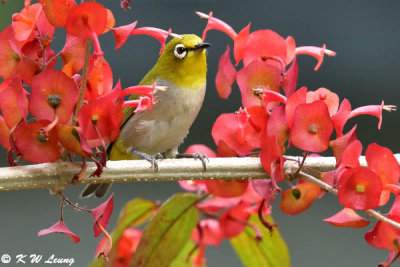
(180, 51)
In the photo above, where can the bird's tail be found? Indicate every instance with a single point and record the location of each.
(98, 190)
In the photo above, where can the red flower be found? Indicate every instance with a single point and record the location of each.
(160, 35)
(100, 78)
(359, 188)
(347, 218)
(331, 99)
(295, 99)
(13, 102)
(226, 75)
(312, 127)
(265, 45)
(127, 245)
(299, 198)
(233, 221)
(382, 161)
(258, 74)
(225, 128)
(211, 233)
(4, 134)
(87, 20)
(340, 144)
(122, 33)
(216, 24)
(53, 95)
(240, 43)
(277, 125)
(57, 11)
(37, 146)
(24, 22)
(224, 188)
(73, 54)
(317, 52)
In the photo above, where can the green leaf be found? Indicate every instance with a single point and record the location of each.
(167, 232)
(182, 259)
(135, 213)
(271, 251)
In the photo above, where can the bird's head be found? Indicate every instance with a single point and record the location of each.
(183, 61)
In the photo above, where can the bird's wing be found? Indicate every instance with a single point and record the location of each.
(149, 79)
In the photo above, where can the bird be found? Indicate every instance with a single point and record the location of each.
(182, 69)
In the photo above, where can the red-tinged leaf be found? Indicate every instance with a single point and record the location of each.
(61, 228)
(340, 144)
(257, 75)
(341, 117)
(382, 161)
(13, 102)
(167, 232)
(224, 188)
(240, 43)
(226, 75)
(271, 251)
(233, 220)
(224, 129)
(331, 99)
(102, 214)
(312, 127)
(299, 198)
(359, 188)
(295, 99)
(347, 218)
(53, 94)
(135, 213)
(4, 134)
(210, 233)
(289, 82)
(73, 55)
(24, 22)
(265, 45)
(351, 155)
(290, 49)
(216, 24)
(34, 145)
(57, 11)
(122, 33)
(217, 203)
(277, 125)
(86, 19)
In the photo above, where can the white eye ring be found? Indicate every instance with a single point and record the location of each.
(180, 51)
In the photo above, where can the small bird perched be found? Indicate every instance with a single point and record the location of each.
(182, 68)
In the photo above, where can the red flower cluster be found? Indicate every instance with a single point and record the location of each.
(71, 112)
(271, 122)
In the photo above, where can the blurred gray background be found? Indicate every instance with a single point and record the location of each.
(366, 36)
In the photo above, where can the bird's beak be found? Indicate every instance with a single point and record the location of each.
(201, 46)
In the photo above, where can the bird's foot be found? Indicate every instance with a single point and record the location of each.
(199, 156)
(150, 158)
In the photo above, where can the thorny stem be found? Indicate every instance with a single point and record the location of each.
(83, 81)
(370, 212)
(64, 198)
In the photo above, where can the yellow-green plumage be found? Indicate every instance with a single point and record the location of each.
(163, 128)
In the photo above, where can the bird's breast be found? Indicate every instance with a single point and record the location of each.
(166, 125)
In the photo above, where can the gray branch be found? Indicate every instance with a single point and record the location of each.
(59, 174)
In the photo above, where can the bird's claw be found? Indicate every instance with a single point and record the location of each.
(199, 156)
(150, 158)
